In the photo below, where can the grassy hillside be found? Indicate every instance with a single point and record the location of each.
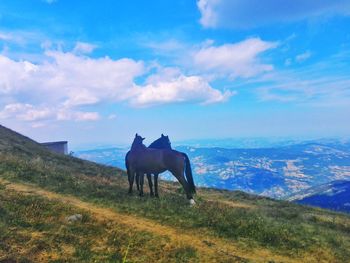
(39, 189)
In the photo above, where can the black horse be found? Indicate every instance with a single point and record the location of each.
(164, 143)
(161, 143)
(142, 160)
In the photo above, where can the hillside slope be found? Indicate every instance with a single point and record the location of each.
(334, 195)
(38, 189)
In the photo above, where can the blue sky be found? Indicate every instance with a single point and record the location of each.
(100, 71)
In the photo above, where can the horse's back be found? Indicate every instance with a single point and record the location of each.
(147, 160)
(173, 159)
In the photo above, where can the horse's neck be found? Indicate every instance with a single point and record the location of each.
(138, 147)
(154, 144)
(157, 145)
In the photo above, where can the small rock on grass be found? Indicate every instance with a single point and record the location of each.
(74, 218)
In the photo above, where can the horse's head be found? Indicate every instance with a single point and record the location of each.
(137, 141)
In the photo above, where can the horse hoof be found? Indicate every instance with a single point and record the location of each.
(151, 194)
(140, 194)
(192, 202)
(157, 196)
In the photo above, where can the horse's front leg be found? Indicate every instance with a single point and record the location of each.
(156, 185)
(141, 178)
(131, 175)
(149, 178)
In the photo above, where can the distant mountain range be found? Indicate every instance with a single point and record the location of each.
(276, 172)
(334, 195)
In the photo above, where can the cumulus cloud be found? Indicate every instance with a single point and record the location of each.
(26, 112)
(66, 80)
(171, 86)
(235, 60)
(31, 113)
(75, 80)
(72, 80)
(253, 13)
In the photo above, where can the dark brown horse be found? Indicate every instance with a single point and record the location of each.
(142, 160)
(162, 143)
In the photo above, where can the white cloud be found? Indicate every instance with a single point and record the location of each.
(5, 36)
(170, 86)
(254, 13)
(70, 81)
(208, 11)
(170, 45)
(112, 116)
(86, 80)
(235, 60)
(303, 56)
(298, 58)
(22, 37)
(306, 88)
(36, 125)
(31, 113)
(66, 115)
(25, 112)
(83, 48)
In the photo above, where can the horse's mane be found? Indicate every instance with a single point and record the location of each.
(137, 145)
(159, 144)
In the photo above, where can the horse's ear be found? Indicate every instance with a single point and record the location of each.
(136, 135)
(162, 135)
(143, 138)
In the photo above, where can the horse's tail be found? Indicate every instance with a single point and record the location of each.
(188, 173)
(128, 171)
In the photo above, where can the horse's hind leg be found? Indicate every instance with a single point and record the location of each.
(156, 185)
(149, 178)
(141, 178)
(137, 179)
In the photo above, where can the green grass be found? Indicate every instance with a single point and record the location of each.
(281, 227)
(33, 229)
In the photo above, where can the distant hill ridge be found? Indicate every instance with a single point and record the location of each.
(275, 172)
(334, 195)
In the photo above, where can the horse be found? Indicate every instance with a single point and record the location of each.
(143, 160)
(161, 143)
